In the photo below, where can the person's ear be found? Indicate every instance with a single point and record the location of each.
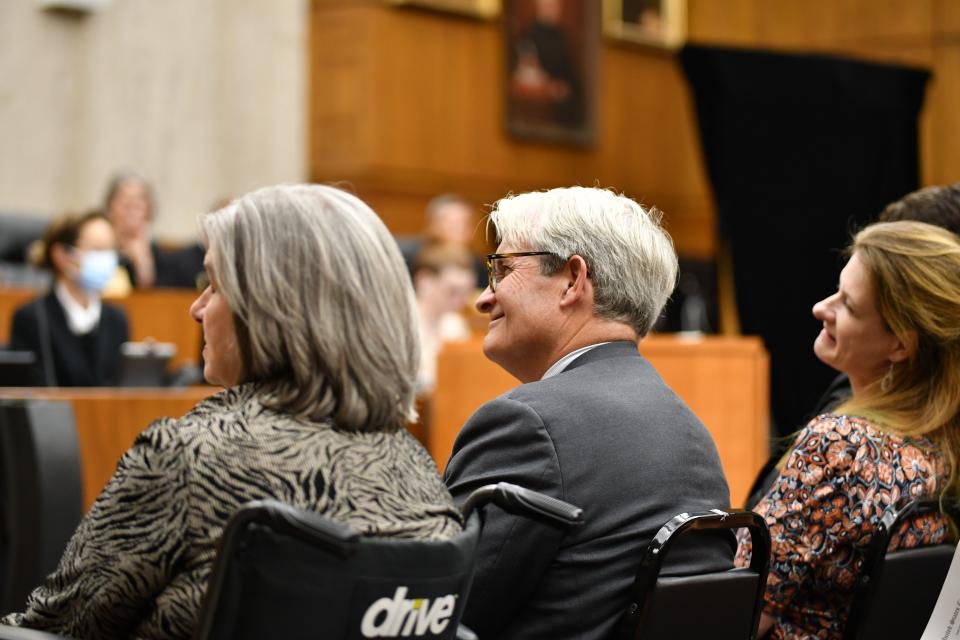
(577, 281)
(904, 348)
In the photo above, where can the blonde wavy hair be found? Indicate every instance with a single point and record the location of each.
(915, 271)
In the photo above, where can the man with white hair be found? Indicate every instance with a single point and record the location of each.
(579, 277)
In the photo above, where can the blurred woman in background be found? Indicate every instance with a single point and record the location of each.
(444, 281)
(73, 335)
(129, 204)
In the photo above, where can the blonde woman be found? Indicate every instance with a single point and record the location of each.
(893, 327)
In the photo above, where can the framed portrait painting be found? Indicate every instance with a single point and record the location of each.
(657, 23)
(551, 69)
(471, 8)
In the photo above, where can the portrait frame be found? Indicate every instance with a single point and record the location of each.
(550, 70)
(654, 23)
(480, 9)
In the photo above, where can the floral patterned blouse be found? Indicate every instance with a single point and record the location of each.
(822, 511)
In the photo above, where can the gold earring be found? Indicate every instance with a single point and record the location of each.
(886, 382)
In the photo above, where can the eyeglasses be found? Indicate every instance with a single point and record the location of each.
(495, 274)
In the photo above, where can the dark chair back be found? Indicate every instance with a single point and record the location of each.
(286, 573)
(898, 590)
(721, 605)
(18, 230)
(762, 482)
(42, 493)
(19, 369)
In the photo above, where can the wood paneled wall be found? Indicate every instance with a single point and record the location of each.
(405, 103)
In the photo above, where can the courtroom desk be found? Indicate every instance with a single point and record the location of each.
(161, 314)
(723, 380)
(109, 420)
(10, 301)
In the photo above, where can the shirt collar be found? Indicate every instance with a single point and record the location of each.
(560, 365)
(80, 320)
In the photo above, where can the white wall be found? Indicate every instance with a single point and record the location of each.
(206, 98)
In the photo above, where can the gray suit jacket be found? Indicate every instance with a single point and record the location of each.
(609, 436)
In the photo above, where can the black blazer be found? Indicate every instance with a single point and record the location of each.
(177, 268)
(606, 435)
(90, 360)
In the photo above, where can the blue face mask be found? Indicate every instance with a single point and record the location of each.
(96, 269)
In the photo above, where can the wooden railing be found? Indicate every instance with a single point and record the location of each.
(723, 380)
(160, 314)
(109, 420)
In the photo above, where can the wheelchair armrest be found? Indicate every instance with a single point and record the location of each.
(21, 633)
(524, 502)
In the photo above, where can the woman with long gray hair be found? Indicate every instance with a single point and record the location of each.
(309, 325)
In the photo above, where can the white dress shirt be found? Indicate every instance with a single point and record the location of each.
(81, 320)
(561, 364)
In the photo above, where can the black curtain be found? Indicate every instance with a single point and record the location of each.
(800, 151)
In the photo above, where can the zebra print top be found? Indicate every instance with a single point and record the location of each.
(138, 564)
